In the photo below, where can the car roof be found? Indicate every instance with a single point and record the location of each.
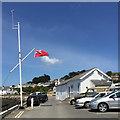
(33, 96)
(113, 93)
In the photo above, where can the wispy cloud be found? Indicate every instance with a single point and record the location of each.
(50, 61)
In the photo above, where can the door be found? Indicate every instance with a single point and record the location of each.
(69, 92)
(114, 100)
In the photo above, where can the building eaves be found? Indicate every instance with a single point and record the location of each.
(101, 82)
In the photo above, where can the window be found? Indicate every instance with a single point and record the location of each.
(100, 95)
(90, 91)
(116, 95)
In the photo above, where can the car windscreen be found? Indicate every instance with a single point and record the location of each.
(94, 95)
(109, 94)
(101, 95)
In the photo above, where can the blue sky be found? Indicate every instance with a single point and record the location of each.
(77, 36)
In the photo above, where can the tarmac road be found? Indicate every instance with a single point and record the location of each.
(57, 109)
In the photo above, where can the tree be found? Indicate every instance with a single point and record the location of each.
(29, 82)
(109, 73)
(65, 77)
(45, 78)
(35, 80)
(13, 86)
(72, 74)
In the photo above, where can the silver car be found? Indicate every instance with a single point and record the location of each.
(110, 101)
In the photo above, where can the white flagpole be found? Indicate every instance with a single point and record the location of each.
(20, 63)
(18, 27)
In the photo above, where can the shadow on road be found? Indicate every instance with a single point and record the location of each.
(46, 105)
(112, 110)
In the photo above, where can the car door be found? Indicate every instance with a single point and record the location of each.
(114, 100)
(118, 99)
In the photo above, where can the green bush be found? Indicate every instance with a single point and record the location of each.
(29, 90)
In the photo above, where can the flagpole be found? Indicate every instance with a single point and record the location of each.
(21, 106)
(18, 28)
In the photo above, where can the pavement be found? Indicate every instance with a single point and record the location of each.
(58, 109)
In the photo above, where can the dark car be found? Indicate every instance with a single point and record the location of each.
(43, 96)
(36, 100)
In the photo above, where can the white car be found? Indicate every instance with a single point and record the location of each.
(84, 102)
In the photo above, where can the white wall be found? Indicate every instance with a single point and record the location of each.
(62, 92)
(95, 75)
(74, 88)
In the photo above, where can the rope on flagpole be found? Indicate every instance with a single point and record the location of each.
(16, 66)
(6, 78)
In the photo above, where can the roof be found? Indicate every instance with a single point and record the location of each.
(101, 82)
(82, 75)
(77, 77)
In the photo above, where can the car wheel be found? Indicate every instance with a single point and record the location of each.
(102, 107)
(86, 105)
(72, 102)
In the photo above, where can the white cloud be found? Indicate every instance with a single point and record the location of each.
(48, 60)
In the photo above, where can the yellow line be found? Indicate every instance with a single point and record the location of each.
(19, 114)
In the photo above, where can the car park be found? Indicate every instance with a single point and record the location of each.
(36, 100)
(84, 102)
(90, 92)
(110, 101)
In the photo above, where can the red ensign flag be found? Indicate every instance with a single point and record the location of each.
(40, 53)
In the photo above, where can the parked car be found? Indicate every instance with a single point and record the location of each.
(73, 100)
(115, 87)
(84, 102)
(36, 100)
(110, 101)
(90, 92)
(43, 96)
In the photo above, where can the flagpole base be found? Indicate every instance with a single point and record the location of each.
(21, 107)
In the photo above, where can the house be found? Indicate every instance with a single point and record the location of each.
(7, 90)
(79, 83)
(115, 76)
(4, 90)
(44, 84)
(57, 82)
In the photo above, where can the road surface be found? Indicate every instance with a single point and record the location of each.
(57, 109)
